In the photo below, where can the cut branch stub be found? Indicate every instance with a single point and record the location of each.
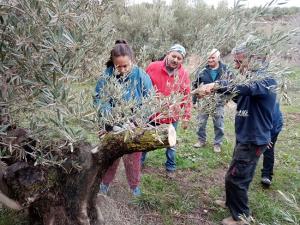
(171, 135)
(137, 140)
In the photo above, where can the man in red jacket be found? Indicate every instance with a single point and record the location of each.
(170, 78)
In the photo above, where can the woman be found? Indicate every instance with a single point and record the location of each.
(137, 85)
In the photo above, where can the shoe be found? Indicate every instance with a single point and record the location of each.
(231, 221)
(199, 144)
(221, 203)
(266, 181)
(217, 148)
(136, 192)
(170, 174)
(104, 188)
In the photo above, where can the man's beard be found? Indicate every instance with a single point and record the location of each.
(169, 63)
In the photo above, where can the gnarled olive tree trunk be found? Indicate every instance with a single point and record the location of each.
(66, 194)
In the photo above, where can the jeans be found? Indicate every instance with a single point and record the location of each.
(239, 177)
(218, 121)
(268, 161)
(170, 155)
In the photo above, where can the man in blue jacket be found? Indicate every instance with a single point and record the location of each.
(213, 71)
(255, 99)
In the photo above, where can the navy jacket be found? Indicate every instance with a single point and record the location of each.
(203, 76)
(277, 121)
(255, 106)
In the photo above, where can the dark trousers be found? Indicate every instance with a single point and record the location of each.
(268, 162)
(239, 177)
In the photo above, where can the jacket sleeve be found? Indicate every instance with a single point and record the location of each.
(97, 92)
(147, 85)
(255, 88)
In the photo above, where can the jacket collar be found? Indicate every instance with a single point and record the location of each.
(220, 69)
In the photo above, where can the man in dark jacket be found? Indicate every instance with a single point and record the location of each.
(255, 99)
(213, 71)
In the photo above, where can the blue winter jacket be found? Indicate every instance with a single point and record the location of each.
(255, 107)
(139, 85)
(277, 121)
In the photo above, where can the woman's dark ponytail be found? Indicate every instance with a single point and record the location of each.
(121, 42)
(121, 48)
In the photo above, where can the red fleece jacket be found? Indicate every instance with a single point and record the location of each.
(167, 85)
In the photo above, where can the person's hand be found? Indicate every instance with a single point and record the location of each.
(204, 90)
(270, 145)
(208, 88)
(184, 124)
(200, 95)
(199, 92)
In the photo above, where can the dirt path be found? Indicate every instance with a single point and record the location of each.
(117, 208)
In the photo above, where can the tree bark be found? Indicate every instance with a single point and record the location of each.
(66, 194)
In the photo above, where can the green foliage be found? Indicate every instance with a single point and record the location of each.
(46, 48)
(155, 27)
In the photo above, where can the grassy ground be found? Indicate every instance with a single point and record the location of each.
(8, 217)
(189, 197)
